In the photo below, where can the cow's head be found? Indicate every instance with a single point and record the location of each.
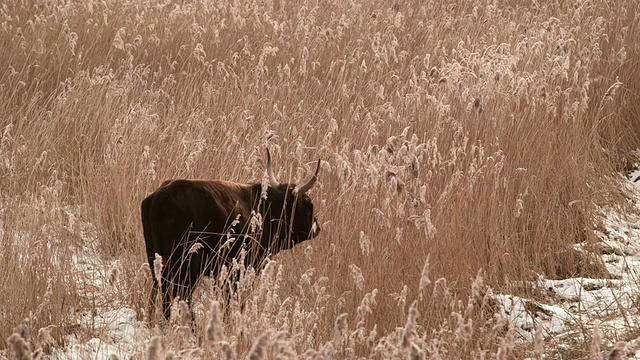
(298, 222)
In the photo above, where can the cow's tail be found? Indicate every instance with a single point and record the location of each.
(145, 210)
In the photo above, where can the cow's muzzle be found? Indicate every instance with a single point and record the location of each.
(315, 229)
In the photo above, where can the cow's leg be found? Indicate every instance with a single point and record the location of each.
(168, 292)
(229, 291)
(194, 269)
(152, 299)
(190, 286)
(181, 286)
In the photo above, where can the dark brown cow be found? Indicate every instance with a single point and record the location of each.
(191, 225)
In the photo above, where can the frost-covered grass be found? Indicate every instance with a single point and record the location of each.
(467, 150)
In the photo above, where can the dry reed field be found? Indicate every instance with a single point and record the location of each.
(465, 146)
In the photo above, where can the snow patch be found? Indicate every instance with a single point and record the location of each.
(525, 315)
(581, 303)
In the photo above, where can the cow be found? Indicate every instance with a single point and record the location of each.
(195, 227)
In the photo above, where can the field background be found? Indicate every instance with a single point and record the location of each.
(482, 136)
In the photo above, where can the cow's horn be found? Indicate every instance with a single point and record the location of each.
(304, 188)
(272, 179)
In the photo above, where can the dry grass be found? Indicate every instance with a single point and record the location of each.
(477, 135)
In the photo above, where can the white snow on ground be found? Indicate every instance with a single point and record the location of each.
(554, 319)
(120, 334)
(582, 303)
(572, 304)
(116, 329)
(634, 175)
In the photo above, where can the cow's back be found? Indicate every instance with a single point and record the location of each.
(181, 211)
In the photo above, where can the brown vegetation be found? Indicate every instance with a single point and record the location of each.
(479, 136)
